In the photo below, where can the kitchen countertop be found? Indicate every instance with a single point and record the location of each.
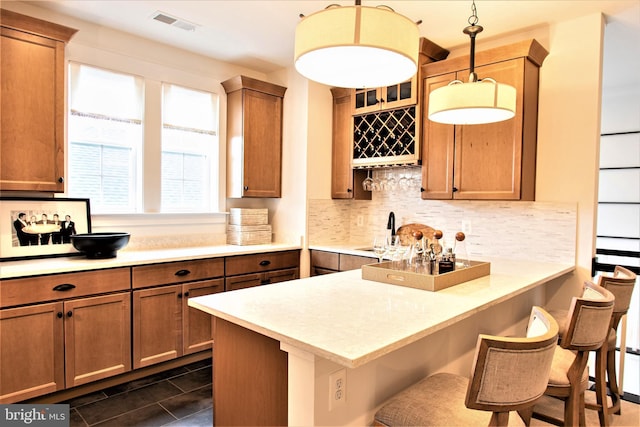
(351, 321)
(36, 267)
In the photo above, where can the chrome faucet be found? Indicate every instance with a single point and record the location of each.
(391, 223)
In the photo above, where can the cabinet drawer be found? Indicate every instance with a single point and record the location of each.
(30, 290)
(177, 272)
(330, 260)
(259, 279)
(255, 263)
(354, 262)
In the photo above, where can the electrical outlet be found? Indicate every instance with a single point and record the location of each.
(360, 221)
(466, 226)
(337, 389)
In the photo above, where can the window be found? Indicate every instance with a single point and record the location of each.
(189, 141)
(139, 145)
(105, 138)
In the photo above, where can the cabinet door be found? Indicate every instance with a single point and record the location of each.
(437, 148)
(262, 126)
(281, 275)
(196, 324)
(243, 281)
(488, 159)
(342, 149)
(400, 95)
(157, 325)
(32, 119)
(366, 100)
(31, 351)
(97, 334)
(346, 182)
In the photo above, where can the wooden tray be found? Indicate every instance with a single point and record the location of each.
(382, 272)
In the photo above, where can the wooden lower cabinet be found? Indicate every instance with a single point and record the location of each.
(49, 347)
(323, 262)
(258, 279)
(97, 335)
(246, 271)
(164, 327)
(31, 364)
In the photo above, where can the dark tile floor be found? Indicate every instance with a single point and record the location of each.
(180, 397)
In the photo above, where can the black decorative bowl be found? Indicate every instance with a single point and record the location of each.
(100, 245)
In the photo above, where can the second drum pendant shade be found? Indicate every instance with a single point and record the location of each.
(477, 101)
(484, 101)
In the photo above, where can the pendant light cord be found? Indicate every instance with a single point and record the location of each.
(471, 31)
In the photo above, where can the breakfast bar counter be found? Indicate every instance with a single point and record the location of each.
(385, 337)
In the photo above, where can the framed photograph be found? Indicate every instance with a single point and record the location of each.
(39, 228)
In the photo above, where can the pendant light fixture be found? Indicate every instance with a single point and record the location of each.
(477, 101)
(357, 46)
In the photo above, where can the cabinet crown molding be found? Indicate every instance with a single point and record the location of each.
(244, 82)
(530, 49)
(17, 21)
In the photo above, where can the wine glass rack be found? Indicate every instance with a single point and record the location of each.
(385, 138)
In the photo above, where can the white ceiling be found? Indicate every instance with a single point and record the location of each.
(259, 34)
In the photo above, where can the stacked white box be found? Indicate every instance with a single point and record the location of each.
(248, 227)
(240, 216)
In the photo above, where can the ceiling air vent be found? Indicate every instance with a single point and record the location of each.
(173, 21)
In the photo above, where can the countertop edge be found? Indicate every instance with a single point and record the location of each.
(58, 265)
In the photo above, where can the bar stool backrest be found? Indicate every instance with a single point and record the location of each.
(588, 320)
(621, 285)
(510, 373)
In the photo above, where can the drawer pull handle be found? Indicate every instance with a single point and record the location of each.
(64, 287)
(181, 273)
(265, 262)
(59, 314)
(69, 313)
(186, 294)
(179, 294)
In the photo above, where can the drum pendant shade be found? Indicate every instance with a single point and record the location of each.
(357, 47)
(479, 101)
(472, 103)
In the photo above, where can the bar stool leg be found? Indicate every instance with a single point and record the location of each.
(601, 385)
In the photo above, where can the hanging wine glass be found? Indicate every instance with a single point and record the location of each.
(367, 183)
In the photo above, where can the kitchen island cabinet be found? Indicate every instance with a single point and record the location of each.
(50, 346)
(495, 161)
(32, 70)
(254, 137)
(386, 337)
(164, 327)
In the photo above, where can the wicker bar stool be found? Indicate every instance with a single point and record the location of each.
(508, 374)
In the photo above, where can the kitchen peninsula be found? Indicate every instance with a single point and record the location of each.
(276, 347)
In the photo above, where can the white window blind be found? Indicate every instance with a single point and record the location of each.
(189, 147)
(105, 138)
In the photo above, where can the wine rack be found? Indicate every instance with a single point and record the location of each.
(385, 138)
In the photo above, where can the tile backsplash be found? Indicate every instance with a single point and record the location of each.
(504, 229)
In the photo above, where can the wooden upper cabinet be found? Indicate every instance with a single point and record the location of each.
(254, 137)
(493, 161)
(385, 98)
(346, 183)
(32, 71)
